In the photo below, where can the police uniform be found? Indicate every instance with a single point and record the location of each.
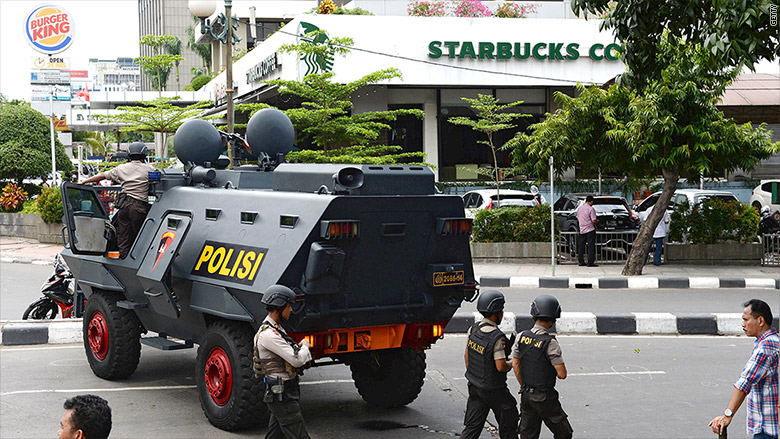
(538, 352)
(487, 386)
(134, 205)
(277, 358)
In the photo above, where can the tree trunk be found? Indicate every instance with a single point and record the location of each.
(636, 259)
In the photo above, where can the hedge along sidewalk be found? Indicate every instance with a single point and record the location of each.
(25, 332)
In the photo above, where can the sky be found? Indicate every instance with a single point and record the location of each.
(103, 29)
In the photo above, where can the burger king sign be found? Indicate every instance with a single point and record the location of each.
(49, 29)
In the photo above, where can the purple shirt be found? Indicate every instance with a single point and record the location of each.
(586, 214)
(759, 380)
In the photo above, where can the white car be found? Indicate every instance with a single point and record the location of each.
(693, 197)
(488, 199)
(762, 195)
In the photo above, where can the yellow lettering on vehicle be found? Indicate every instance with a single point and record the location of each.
(224, 271)
(257, 265)
(216, 260)
(246, 265)
(205, 255)
(235, 264)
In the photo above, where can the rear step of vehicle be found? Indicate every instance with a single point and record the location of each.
(162, 342)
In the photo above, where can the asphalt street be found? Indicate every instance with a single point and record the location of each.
(20, 285)
(618, 387)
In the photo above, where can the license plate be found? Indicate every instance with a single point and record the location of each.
(445, 278)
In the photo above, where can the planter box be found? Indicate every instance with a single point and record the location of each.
(723, 253)
(511, 252)
(30, 225)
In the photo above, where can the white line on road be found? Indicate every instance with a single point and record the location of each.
(110, 389)
(593, 374)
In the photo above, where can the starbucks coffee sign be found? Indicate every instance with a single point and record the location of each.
(521, 51)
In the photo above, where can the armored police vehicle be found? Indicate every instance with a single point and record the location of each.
(378, 261)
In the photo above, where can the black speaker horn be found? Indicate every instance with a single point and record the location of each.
(349, 178)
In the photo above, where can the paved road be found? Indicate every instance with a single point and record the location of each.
(20, 285)
(619, 387)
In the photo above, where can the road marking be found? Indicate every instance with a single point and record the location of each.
(110, 389)
(593, 374)
(11, 349)
(309, 383)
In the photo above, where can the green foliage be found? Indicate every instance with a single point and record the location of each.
(30, 206)
(158, 66)
(202, 50)
(98, 141)
(351, 11)
(12, 198)
(714, 221)
(513, 224)
(198, 82)
(366, 155)
(159, 115)
(25, 144)
(49, 204)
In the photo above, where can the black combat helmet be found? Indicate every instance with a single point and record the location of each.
(546, 306)
(137, 151)
(490, 302)
(278, 296)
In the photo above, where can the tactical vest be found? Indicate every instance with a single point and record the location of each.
(481, 371)
(275, 364)
(536, 369)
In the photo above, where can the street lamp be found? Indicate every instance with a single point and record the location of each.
(221, 30)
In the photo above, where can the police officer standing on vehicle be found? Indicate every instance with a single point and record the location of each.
(278, 358)
(486, 369)
(133, 204)
(537, 362)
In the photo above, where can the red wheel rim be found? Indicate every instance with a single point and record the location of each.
(218, 376)
(97, 334)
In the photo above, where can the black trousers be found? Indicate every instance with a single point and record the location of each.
(536, 408)
(129, 220)
(588, 239)
(286, 420)
(479, 404)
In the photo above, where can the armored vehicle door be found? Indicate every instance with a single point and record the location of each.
(85, 218)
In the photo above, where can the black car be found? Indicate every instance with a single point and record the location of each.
(612, 215)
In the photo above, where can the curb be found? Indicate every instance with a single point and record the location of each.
(627, 282)
(24, 332)
(25, 261)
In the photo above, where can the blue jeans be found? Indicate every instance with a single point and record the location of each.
(763, 435)
(659, 247)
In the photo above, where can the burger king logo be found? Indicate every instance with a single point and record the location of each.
(49, 29)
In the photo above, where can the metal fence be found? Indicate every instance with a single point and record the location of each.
(771, 247)
(611, 247)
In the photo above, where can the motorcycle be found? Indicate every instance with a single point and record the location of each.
(770, 222)
(58, 293)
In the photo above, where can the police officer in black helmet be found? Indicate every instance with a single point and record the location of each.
(486, 369)
(133, 203)
(278, 358)
(537, 362)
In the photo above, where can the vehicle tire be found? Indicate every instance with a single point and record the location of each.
(389, 378)
(112, 337)
(229, 392)
(757, 205)
(42, 309)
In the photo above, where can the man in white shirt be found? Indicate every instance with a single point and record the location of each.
(661, 230)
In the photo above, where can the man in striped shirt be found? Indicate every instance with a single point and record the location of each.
(758, 380)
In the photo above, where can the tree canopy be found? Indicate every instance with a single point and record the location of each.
(158, 66)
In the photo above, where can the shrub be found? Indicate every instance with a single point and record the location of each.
(50, 205)
(353, 11)
(513, 224)
(514, 10)
(30, 206)
(12, 198)
(472, 8)
(326, 7)
(714, 221)
(427, 9)
(199, 81)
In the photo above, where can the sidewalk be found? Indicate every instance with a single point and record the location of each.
(23, 250)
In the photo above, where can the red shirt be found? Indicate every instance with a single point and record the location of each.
(586, 214)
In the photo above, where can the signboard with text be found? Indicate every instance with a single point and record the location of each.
(56, 77)
(49, 63)
(49, 29)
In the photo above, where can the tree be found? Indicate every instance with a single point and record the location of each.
(98, 141)
(202, 50)
(736, 32)
(25, 144)
(158, 66)
(671, 128)
(491, 118)
(325, 116)
(159, 116)
(173, 47)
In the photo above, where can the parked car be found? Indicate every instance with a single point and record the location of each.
(693, 197)
(612, 213)
(475, 201)
(762, 195)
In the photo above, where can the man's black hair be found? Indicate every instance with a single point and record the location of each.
(589, 198)
(91, 414)
(760, 308)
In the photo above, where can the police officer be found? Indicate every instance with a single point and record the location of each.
(537, 361)
(133, 204)
(486, 368)
(278, 358)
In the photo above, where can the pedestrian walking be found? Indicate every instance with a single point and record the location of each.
(660, 233)
(486, 369)
(537, 361)
(278, 358)
(133, 203)
(85, 417)
(586, 217)
(758, 381)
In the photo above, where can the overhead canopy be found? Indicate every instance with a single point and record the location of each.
(759, 89)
